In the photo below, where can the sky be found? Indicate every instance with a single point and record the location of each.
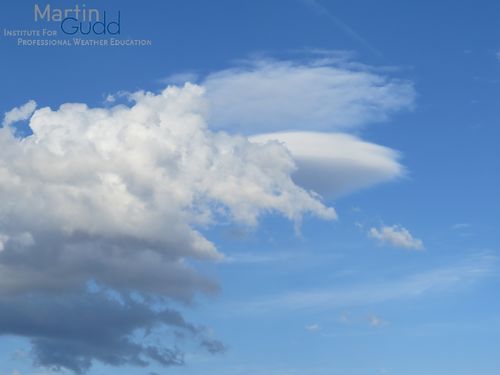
(267, 187)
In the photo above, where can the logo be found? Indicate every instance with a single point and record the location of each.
(79, 20)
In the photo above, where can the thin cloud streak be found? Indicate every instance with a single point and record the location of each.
(341, 25)
(437, 280)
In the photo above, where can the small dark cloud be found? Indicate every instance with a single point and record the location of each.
(72, 331)
(213, 346)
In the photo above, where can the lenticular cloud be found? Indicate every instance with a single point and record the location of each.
(119, 196)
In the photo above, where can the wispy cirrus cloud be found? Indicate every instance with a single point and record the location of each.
(461, 226)
(267, 95)
(438, 280)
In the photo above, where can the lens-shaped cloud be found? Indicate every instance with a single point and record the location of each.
(333, 164)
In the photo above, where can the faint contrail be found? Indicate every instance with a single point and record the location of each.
(321, 10)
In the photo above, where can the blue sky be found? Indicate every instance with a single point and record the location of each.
(389, 111)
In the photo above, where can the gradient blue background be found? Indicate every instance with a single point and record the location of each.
(449, 145)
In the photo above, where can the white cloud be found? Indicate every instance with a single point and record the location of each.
(396, 236)
(314, 327)
(315, 97)
(128, 212)
(120, 197)
(375, 321)
(19, 113)
(332, 164)
(268, 95)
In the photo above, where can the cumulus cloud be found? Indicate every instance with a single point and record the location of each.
(121, 196)
(152, 174)
(333, 164)
(396, 236)
(321, 95)
(19, 113)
